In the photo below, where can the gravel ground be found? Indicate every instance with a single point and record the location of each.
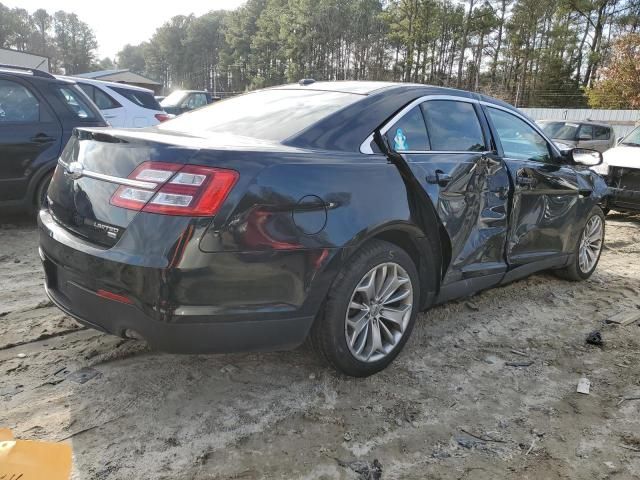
(451, 406)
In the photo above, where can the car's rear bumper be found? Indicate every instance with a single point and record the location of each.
(276, 315)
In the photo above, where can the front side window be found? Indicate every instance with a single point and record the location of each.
(74, 100)
(409, 133)
(453, 126)
(17, 104)
(601, 133)
(519, 139)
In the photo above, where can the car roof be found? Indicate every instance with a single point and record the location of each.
(93, 81)
(379, 87)
(579, 122)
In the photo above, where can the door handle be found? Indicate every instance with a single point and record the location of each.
(42, 138)
(440, 178)
(108, 116)
(526, 181)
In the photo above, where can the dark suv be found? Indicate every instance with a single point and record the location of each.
(37, 116)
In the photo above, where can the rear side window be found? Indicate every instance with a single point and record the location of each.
(101, 99)
(453, 126)
(196, 100)
(601, 133)
(409, 133)
(72, 97)
(17, 104)
(268, 114)
(142, 99)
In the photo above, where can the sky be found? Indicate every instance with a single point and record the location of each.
(118, 22)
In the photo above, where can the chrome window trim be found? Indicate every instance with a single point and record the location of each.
(365, 147)
(522, 117)
(113, 179)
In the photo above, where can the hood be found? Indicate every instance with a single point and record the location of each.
(623, 156)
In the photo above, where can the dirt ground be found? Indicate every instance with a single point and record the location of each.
(450, 407)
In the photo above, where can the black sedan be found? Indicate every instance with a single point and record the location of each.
(335, 211)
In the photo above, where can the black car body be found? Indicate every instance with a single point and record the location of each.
(303, 188)
(621, 170)
(37, 116)
(182, 101)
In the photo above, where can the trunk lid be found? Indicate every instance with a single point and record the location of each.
(81, 203)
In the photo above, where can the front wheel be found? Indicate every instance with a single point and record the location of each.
(589, 248)
(370, 310)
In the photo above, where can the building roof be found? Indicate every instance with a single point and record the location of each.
(10, 56)
(122, 75)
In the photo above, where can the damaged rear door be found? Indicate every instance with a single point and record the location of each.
(446, 144)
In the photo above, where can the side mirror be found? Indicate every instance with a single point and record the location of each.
(588, 158)
(585, 136)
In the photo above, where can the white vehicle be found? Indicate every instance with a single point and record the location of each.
(124, 106)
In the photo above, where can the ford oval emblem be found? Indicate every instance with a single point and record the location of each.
(74, 170)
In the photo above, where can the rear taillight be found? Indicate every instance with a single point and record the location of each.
(162, 117)
(174, 189)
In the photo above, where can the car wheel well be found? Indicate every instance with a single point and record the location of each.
(423, 257)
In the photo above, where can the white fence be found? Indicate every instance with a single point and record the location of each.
(622, 121)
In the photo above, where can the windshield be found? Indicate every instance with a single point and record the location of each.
(633, 139)
(174, 98)
(266, 114)
(560, 130)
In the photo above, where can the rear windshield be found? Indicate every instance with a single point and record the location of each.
(561, 130)
(142, 99)
(267, 114)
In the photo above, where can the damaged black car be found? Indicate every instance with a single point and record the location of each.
(334, 211)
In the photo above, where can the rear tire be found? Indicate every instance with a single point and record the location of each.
(588, 249)
(370, 310)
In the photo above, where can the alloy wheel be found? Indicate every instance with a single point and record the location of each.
(590, 244)
(379, 312)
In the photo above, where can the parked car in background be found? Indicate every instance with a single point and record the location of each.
(124, 106)
(621, 169)
(159, 98)
(182, 101)
(568, 135)
(37, 115)
(337, 210)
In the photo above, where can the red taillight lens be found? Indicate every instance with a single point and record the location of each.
(174, 189)
(162, 117)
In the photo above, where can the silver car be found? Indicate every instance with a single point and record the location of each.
(567, 134)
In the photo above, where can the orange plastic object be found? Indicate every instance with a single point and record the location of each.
(33, 460)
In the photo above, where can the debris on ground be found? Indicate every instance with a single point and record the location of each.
(583, 386)
(83, 375)
(595, 338)
(518, 364)
(365, 470)
(624, 318)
